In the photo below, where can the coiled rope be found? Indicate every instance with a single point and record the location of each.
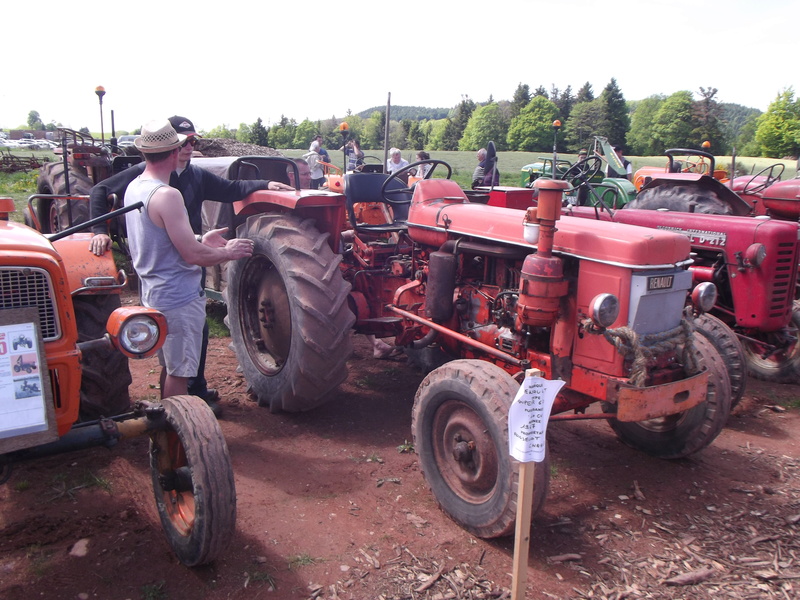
(641, 349)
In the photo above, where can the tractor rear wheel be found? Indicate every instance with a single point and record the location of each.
(460, 427)
(683, 434)
(288, 313)
(730, 349)
(193, 481)
(783, 365)
(55, 216)
(105, 375)
(680, 198)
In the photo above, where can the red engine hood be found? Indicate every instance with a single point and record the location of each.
(440, 211)
(783, 198)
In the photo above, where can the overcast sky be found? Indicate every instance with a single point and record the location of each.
(225, 63)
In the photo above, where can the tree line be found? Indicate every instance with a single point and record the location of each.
(525, 123)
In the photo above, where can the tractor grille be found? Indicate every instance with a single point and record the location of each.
(22, 287)
(782, 292)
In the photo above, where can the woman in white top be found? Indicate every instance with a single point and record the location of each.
(396, 161)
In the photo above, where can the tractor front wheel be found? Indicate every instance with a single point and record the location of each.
(687, 432)
(105, 375)
(730, 349)
(193, 481)
(460, 428)
(288, 313)
(778, 358)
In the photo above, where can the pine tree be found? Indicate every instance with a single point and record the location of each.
(617, 121)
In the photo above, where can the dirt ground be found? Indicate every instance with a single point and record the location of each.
(332, 505)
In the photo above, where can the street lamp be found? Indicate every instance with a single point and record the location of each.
(556, 127)
(101, 91)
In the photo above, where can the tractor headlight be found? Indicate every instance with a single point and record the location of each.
(755, 254)
(604, 310)
(136, 331)
(704, 296)
(139, 335)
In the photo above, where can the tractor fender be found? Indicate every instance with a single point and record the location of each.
(702, 182)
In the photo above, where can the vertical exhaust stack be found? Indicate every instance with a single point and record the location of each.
(542, 282)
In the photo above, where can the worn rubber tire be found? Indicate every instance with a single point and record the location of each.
(681, 435)
(468, 400)
(730, 349)
(105, 375)
(199, 518)
(783, 367)
(52, 180)
(288, 313)
(678, 198)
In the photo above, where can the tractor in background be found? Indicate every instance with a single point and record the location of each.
(62, 186)
(477, 291)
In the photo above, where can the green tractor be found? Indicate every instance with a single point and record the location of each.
(614, 192)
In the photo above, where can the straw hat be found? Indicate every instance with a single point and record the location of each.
(158, 136)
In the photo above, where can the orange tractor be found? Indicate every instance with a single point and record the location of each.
(477, 291)
(61, 304)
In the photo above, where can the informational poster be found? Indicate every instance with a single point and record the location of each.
(25, 408)
(528, 416)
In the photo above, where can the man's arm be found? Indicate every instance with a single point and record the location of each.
(98, 205)
(116, 184)
(166, 210)
(219, 189)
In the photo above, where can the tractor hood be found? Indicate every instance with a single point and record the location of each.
(783, 198)
(16, 238)
(440, 211)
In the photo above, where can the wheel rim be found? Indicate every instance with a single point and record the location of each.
(266, 316)
(175, 479)
(52, 217)
(663, 424)
(781, 349)
(464, 451)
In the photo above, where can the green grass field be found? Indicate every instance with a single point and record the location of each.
(20, 186)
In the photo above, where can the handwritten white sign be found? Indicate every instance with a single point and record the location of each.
(528, 416)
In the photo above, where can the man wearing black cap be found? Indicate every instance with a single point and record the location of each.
(196, 185)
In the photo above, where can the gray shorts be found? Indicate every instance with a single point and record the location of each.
(180, 353)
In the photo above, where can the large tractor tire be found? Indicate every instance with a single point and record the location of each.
(680, 198)
(460, 428)
(288, 313)
(55, 216)
(730, 349)
(105, 375)
(193, 481)
(683, 434)
(782, 366)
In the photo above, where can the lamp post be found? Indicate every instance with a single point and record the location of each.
(556, 127)
(344, 129)
(101, 91)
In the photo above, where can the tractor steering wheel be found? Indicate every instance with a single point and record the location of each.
(402, 175)
(771, 177)
(582, 171)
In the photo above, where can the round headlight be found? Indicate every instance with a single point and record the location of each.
(139, 334)
(604, 310)
(704, 296)
(755, 254)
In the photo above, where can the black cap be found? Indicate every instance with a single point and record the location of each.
(182, 125)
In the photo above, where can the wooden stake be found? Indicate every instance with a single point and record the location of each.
(522, 532)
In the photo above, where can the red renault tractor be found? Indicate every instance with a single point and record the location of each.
(478, 293)
(60, 304)
(753, 262)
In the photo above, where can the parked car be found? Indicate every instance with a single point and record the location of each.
(6, 143)
(126, 140)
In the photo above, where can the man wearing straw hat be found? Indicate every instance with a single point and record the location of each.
(167, 256)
